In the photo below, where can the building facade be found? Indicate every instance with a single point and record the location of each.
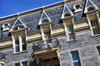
(66, 33)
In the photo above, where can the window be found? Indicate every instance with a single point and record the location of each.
(24, 64)
(75, 57)
(45, 20)
(95, 27)
(91, 9)
(51, 62)
(47, 37)
(98, 51)
(20, 44)
(18, 27)
(17, 44)
(66, 15)
(70, 32)
(18, 64)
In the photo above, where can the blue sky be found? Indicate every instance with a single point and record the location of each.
(9, 7)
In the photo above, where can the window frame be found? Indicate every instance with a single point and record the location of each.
(90, 7)
(67, 13)
(94, 26)
(43, 20)
(20, 43)
(70, 32)
(74, 61)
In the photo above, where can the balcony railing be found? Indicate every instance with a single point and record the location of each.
(45, 44)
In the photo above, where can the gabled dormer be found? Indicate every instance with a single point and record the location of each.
(45, 25)
(68, 21)
(90, 7)
(91, 12)
(44, 19)
(18, 32)
(18, 25)
(66, 13)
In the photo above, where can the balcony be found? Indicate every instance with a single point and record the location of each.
(44, 50)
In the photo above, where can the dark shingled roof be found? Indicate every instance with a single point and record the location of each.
(31, 21)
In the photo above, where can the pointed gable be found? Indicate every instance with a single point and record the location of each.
(18, 22)
(88, 3)
(66, 10)
(44, 16)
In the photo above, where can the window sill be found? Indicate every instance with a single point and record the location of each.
(71, 41)
(95, 35)
(20, 52)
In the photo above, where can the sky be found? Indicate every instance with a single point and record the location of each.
(9, 7)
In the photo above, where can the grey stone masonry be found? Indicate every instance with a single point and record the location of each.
(86, 45)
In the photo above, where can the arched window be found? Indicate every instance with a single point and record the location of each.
(90, 9)
(67, 14)
(45, 20)
(18, 27)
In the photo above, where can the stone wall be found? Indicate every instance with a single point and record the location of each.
(86, 44)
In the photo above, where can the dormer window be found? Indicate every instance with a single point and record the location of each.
(67, 14)
(19, 38)
(6, 26)
(45, 20)
(90, 9)
(18, 27)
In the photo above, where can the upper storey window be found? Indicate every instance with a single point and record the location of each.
(45, 20)
(20, 44)
(95, 27)
(70, 32)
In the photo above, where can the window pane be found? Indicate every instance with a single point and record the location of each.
(23, 39)
(17, 41)
(77, 64)
(24, 46)
(21, 27)
(71, 36)
(17, 48)
(69, 29)
(17, 64)
(94, 23)
(96, 30)
(16, 28)
(25, 64)
(99, 51)
(66, 15)
(6, 25)
(47, 33)
(44, 21)
(75, 56)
